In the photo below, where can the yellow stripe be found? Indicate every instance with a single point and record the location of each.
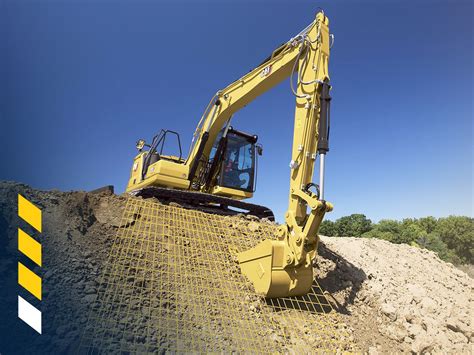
(29, 212)
(29, 280)
(30, 247)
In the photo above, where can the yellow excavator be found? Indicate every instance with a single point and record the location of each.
(220, 169)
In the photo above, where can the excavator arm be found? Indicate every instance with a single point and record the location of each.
(283, 267)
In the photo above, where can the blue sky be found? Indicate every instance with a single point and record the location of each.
(81, 81)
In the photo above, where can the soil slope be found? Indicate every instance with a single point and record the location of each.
(391, 297)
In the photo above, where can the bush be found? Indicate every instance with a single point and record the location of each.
(457, 232)
(328, 228)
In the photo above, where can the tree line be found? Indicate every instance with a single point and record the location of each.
(452, 238)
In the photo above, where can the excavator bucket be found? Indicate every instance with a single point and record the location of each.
(264, 266)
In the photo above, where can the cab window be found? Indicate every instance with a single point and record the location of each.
(237, 169)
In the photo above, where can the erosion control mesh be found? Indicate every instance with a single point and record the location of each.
(172, 282)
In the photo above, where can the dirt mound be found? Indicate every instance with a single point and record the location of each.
(400, 293)
(390, 297)
(78, 230)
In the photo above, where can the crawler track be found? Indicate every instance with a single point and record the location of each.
(205, 202)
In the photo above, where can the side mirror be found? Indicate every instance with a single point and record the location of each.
(259, 149)
(140, 144)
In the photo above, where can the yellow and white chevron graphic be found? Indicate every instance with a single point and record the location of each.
(31, 248)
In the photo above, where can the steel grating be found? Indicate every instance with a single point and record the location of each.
(172, 284)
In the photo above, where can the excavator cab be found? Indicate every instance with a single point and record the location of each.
(233, 162)
(238, 166)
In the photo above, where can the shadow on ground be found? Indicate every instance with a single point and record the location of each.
(336, 285)
(340, 280)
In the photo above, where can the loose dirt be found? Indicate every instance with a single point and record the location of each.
(386, 297)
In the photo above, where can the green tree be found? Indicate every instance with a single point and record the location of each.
(409, 233)
(427, 223)
(377, 233)
(328, 228)
(457, 232)
(386, 229)
(353, 226)
(433, 242)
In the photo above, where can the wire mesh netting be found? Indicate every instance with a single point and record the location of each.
(172, 283)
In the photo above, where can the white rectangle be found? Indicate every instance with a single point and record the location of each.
(29, 314)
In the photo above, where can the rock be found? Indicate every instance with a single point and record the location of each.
(373, 350)
(416, 291)
(90, 291)
(458, 326)
(61, 330)
(453, 325)
(428, 305)
(415, 330)
(253, 226)
(89, 298)
(276, 338)
(389, 310)
(422, 344)
(394, 332)
(105, 190)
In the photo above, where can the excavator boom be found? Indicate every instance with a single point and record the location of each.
(281, 267)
